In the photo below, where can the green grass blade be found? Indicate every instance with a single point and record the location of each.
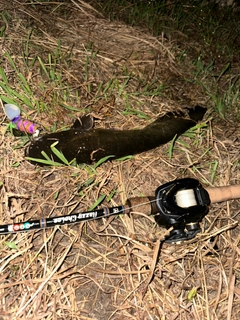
(171, 146)
(58, 153)
(3, 75)
(104, 159)
(43, 67)
(48, 161)
(125, 158)
(99, 200)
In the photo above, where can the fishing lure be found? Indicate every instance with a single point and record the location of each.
(23, 125)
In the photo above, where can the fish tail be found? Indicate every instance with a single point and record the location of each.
(194, 114)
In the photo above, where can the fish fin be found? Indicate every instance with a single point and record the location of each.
(85, 123)
(197, 113)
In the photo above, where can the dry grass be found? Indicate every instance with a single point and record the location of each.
(117, 270)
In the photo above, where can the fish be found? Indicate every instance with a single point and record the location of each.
(13, 113)
(87, 145)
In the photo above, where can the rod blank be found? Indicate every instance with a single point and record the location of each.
(62, 220)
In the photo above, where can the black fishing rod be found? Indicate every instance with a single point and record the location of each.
(180, 204)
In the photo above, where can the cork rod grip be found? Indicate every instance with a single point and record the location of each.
(145, 205)
(220, 194)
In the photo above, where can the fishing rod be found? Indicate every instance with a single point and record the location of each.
(180, 204)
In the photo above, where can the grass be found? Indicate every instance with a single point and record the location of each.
(214, 29)
(48, 161)
(25, 94)
(52, 67)
(52, 86)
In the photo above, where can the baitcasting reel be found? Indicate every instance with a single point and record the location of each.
(181, 204)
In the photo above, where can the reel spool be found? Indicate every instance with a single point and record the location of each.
(181, 204)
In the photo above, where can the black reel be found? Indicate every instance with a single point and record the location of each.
(185, 221)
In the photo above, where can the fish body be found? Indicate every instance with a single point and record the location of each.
(89, 145)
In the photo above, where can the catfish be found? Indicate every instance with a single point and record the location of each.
(86, 144)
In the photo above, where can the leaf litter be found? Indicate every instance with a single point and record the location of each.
(113, 269)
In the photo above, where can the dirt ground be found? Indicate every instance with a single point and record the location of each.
(111, 268)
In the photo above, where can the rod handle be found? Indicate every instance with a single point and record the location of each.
(220, 194)
(145, 205)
